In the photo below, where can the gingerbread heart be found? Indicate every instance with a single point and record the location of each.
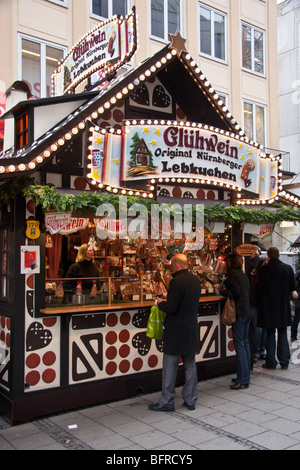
(37, 337)
(159, 98)
(141, 95)
(140, 319)
(142, 343)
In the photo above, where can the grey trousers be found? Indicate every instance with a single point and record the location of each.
(169, 375)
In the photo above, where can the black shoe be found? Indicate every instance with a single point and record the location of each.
(189, 407)
(284, 367)
(234, 380)
(238, 386)
(268, 367)
(158, 407)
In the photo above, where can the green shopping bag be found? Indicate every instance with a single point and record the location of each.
(155, 323)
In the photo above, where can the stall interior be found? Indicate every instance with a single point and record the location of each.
(125, 269)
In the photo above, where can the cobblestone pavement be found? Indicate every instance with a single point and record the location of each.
(264, 416)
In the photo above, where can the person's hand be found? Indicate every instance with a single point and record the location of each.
(295, 295)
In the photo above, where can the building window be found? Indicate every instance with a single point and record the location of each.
(213, 33)
(253, 49)
(4, 260)
(108, 8)
(255, 122)
(165, 18)
(37, 61)
(22, 124)
(63, 3)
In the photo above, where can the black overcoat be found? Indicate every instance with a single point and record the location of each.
(238, 283)
(273, 293)
(181, 330)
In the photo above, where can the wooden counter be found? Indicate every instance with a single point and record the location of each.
(105, 307)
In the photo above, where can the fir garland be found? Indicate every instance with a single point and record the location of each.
(50, 199)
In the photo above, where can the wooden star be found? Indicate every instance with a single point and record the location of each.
(177, 43)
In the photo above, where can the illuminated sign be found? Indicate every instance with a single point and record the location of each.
(181, 153)
(107, 47)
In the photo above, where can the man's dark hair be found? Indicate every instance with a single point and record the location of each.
(273, 252)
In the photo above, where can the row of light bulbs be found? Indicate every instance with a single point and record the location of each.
(119, 96)
(94, 115)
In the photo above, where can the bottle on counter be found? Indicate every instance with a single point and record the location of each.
(94, 289)
(59, 293)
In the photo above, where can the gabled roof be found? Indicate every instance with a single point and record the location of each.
(178, 73)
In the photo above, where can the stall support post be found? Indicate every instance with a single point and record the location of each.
(141, 289)
(236, 235)
(109, 291)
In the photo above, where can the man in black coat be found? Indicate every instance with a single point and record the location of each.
(181, 335)
(274, 290)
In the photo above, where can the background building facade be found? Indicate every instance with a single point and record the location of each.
(232, 41)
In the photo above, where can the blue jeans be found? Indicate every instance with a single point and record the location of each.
(295, 323)
(283, 349)
(240, 331)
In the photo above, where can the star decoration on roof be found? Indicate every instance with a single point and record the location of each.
(177, 43)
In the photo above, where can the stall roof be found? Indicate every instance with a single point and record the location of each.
(175, 69)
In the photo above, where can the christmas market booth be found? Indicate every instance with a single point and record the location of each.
(76, 172)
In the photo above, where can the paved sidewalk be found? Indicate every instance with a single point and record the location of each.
(264, 416)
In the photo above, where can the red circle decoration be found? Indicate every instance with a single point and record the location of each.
(2, 336)
(124, 366)
(180, 114)
(111, 337)
(33, 377)
(124, 350)
(29, 281)
(33, 361)
(106, 116)
(30, 206)
(118, 115)
(7, 341)
(137, 364)
(200, 194)
(230, 335)
(211, 195)
(153, 361)
(111, 368)
(176, 191)
(111, 352)
(124, 336)
(8, 323)
(49, 322)
(231, 346)
(112, 319)
(48, 376)
(79, 183)
(3, 322)
(49, 358)
(104, 124)
(125, 318)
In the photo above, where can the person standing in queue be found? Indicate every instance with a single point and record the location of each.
(275, 289)
(181, 335)
(238, 283)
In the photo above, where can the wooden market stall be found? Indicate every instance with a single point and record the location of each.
(156, 133)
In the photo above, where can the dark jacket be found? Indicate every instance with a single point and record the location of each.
(238, 283)
(273, 293)
(181, 332)
(297, 281)
(81, 270)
